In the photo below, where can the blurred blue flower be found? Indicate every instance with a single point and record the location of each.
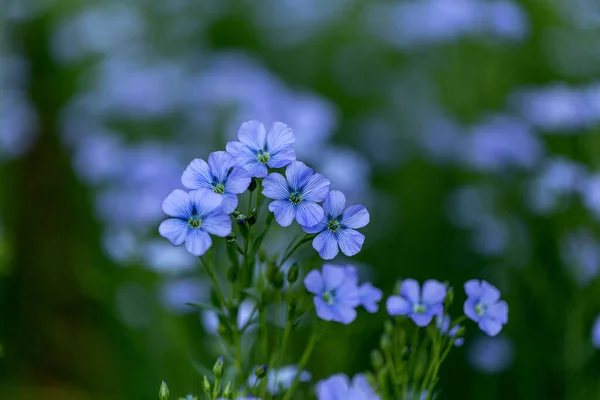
(258, 149)
(443, 324)
(369, 295)
(491, 354)
(420, 305)
(558, 178)
(484, 306)
(339, 387)
(281, 378)
(296, 195)
(580, 252)
(596, 333)
(338, 227)
(219, 175)
(195, 216)
(336, 293)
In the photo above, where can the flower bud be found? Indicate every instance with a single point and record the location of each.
(206, 385)
(293, 273)
(377, 359)
(231, 238)
(241, 219)
(253, 185)
(218, 368)
(163, 392)
(232, 274)
(277, 279)
(449, 296)
(388, 327)
(386, 342)
(227, 392)
(261, 371)
(252, 217)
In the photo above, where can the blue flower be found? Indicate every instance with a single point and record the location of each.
(484, 306)
(368, 294)
(280, 378)
(258, 149)
(420, 305)
(596, 333)
(339, 387)
(296, 195)
(443, 323)
(338, 227)
(336, 294)
(195, 215)
(219, 175)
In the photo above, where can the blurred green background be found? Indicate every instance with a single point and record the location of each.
(469, 128)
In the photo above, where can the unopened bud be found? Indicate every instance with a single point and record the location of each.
(277, 279)
(241, 219)
(386, 342)
(206, 385)
(218, 368)
(253, 185)
(163, 392)
(231, 238)
(232, 274)
(377, 359)
(261, 371)
(388, 327)
(227, 392)
(251, 220)
(293, 273)
(449, 296)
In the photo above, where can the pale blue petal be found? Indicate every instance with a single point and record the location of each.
(178, 204)
(489, 294)
(499, 312)
(355, 217)
(397, 305)
(434, 292)
(282, 158)
(469, 308)
(220, 162)
(334, 204)
(326, 245)
(229, 202)
(334, 388)
(411, 291)
(473, 288)
(333, 276)
(197, 242)
(361, 384)
(197, 175)
(280, 137)
(347, 293)
(309, 213)
(316, 188)
(490, 327)
(276, 187)
(245, 157)
(284, 211)
(343, 313)
(350, 241)
(323, 309)
(238, 181)
(174, 229)
(218, 224)
(422, 319)
(320, 227)
(253, 134)
(351, 274)
(206, 201)
(370, 297)
(297, 174)
(459, 342)
(314, 282)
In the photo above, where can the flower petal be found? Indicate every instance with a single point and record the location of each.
(323, 309)
(351, 274)
(229, 202)
(206, 201)
(397, 305)
(253, 134)
(220, 162)
(284, 211)
(473, 288)
(309, 213)
(320, 227)
(333, 276)
(422, 320)
(326, 245)
(197, 242)
(489, 293)
(178, 204)
(411, 291)
(343, 313)
(334, 204)
(490, 327)
(499, 312)
(355, 217)
(280, 144)
(370, 297)
(297, 174)
(282, 158)
(314, 282)
(333, 388)
(316, 188)
(197, 175)
(218, 224)
(237, 181)
(434, 292)
(350, 241)
(469, 308)
(174, 229)
(276, 187)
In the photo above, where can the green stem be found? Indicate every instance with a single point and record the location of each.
(215, 392)
(390, 365)
(306, 238)
(209, 271)
(303, 360)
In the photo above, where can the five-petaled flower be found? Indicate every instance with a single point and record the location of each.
(369, 295)
(296, 195)
(336, 294)
(338, 227)
(420, 305)
(443, 324)
(483, 305)
(257, 149)
(339, 387)
(219, 175)
(195, 216)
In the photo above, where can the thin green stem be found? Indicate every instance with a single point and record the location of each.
(390, 365)
(213, 277)
(306, 238)
(303, 360)
(215, 393)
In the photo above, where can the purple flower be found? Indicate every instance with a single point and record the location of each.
(219, 175)
(443, 323)
(420, 305)
(296, 195)
(339, 387)
(484, 306)
(336, 294)
(368, 294)
(258, 149)
(195, 215)
(596, 333)
(338, 227)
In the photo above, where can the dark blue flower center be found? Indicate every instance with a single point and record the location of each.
(218, 188)
(419, 308)
(334, 225)
(329, 297)
(295, 197)
(263, 156)
(480, 309)
(194, 221)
